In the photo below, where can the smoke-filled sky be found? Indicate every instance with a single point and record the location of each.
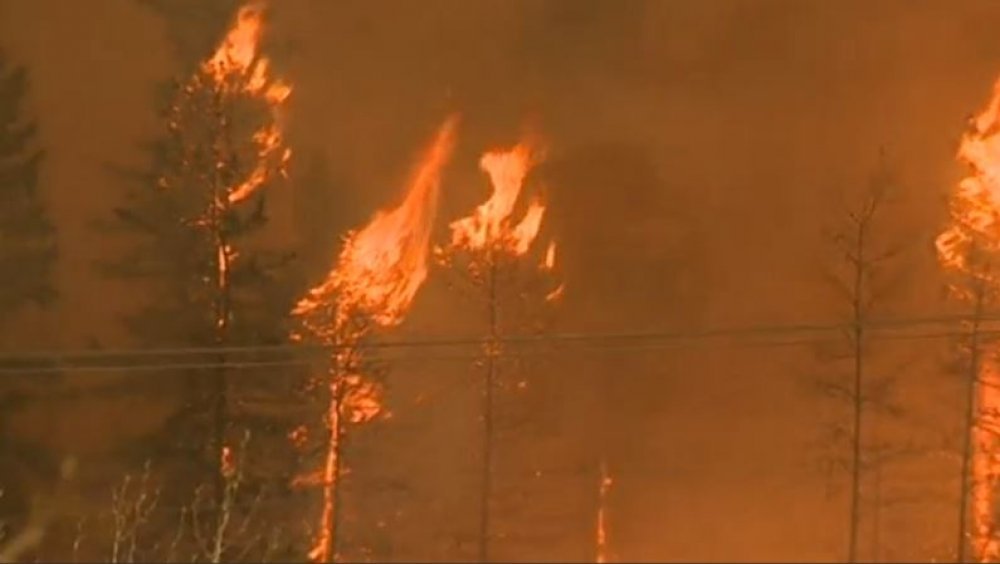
(695, 145)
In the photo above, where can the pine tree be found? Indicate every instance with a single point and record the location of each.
(198, 219)
(27, 254)
(509, 272)
(27, 238)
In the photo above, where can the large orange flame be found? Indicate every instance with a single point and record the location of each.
(489, 227)
(236, 71)
(486, 240)
(234, 74)
(967, 247)
(377, 275)
(237, 67)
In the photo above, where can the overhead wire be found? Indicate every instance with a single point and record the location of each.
(514, 346)
(301, 348)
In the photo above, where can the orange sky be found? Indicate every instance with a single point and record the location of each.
(749, 115)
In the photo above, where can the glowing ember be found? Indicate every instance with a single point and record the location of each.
(227, 462)
(601, 536)
(377, 275)
(967, 247)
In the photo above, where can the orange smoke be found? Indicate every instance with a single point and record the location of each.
(967, 247)
(377, 275)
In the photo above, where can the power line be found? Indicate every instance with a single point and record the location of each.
(650, 343)
(322, 350)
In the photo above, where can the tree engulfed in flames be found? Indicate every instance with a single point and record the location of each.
(225, 146)
(373, 283)
(237, 67)
(968, 247)
(236, 72)
(488, 240)
(489, 231)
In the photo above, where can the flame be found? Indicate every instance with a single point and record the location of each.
(227, 462)
(967, 247)
(489, 225)
(234, 73)
(237, 67)
(601, 534)
(376, 277)
(382, 266)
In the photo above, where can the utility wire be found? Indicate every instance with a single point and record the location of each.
(590, 337)
(649, 342)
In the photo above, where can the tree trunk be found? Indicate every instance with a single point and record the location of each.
(858, 399)
(962, 541)
(487, 413)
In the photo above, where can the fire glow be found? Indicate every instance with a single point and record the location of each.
(966, 248)
(375, 279)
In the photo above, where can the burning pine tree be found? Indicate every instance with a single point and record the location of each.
(968, 249)
(491, 249)
(197, 213)
(372, 285)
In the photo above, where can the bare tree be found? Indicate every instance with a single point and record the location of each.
(860, 277)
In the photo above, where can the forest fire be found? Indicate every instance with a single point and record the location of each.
(237, 67)
(967, 248)
(235, 72)
(375, 279)
(225, 165)
(489, 241)
(488, 229)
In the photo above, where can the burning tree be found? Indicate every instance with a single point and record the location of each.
(491, 250)
(968, 249)
(200, 214)
(374, 281)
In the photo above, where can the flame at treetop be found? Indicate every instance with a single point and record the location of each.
(373, 283)
(967, 247)
(489, 227)
(383, 265)
(237, 67)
